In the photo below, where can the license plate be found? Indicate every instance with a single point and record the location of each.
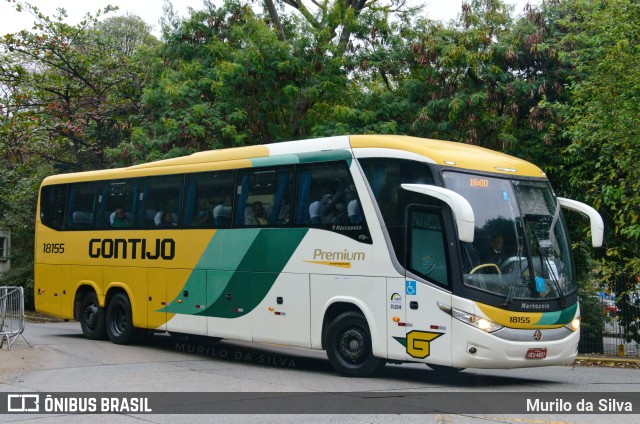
(536, 353)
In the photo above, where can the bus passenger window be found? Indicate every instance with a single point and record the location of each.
(52, 206)
(118, 204)
(160, 202)
(81, 205)
(326, 195)
(209, 200)
(264, 197)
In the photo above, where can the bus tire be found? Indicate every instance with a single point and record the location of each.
(349, 346)
(92, 319)
(120, 320)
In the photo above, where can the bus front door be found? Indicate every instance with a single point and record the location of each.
(427, 283)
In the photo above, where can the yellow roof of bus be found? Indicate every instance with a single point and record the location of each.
(446, 153)
(450, 153)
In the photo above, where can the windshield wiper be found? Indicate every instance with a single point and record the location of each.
(517, 276)
(552, 274)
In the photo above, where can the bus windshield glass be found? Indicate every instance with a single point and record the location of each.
(520, 248)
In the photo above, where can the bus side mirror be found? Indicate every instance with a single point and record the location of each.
(597, 225)
(462, 211)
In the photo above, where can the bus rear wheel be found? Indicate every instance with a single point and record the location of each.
(349, 346)
(92, 318)
(120, 320)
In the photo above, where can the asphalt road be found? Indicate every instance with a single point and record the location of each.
(62, 360)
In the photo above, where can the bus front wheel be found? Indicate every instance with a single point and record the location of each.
(349, 346)
(120, 320)
(92, 318)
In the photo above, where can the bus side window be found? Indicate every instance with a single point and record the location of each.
(160, 202)
(264, 197)
(326, 195)
(118, 204)
(209, 200)
(52, 206)
(81, 205)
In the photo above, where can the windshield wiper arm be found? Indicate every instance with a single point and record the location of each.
(552, 274)
(556, 283)
(512, 285)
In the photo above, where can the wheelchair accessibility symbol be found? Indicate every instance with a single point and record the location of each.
(411, 287)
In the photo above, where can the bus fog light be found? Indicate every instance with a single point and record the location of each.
(472, 350)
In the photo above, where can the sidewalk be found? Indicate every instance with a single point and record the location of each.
(607, 361)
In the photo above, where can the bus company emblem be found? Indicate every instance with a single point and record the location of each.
(418, 343)
(537, 335)
(132, 248)
(340, 259)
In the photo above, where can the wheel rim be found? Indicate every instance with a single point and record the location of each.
(91, 316)
(119, 321)
(352, 346)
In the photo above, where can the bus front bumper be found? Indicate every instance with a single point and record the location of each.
(474, 348)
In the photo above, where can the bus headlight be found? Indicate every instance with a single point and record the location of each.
(474, 320)
(574, 325)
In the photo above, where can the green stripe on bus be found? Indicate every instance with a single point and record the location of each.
(258, 257)
(204, 284)
(327, 156)
(275, 160)
(559, 317)
(258, 270)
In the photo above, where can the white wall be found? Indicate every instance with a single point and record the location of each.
(5, 263)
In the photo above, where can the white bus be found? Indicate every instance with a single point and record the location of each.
(373, 248)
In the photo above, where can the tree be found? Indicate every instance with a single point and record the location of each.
(66, 95)
(483, 79)
(602, 42)
(70, 89)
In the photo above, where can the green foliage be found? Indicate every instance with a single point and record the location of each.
(18, 198)
(225, 79)
(66, 94)
(69, 89)
(603, 115)
(593, 320)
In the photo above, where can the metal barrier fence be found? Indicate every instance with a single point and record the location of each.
(612, 327)
(11, 315)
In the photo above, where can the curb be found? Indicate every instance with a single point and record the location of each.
(607, 359)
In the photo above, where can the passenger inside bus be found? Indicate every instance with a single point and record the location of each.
(201, 216)
(315, 208)
(165, 220)
(120, 219)
(333, 209)
(257, 216)
(353, 207)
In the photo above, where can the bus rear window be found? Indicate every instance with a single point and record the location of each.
(52, 206)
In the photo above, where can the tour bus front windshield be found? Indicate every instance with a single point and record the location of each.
(520, 248)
